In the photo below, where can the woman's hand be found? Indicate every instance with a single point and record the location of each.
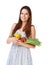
(20, 42)
(14, 40)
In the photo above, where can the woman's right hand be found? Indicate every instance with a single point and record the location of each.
(14, 40)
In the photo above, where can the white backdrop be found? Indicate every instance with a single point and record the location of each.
(9, 12)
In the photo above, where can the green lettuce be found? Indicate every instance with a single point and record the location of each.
(33, 41)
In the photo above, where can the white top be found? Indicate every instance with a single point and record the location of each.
(23, 34)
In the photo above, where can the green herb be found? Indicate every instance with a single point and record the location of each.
(12, 35)
(33, 41)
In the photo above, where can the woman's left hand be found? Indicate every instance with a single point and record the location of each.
(20, 42)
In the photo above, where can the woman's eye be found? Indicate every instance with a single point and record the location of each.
(26, 13)
(21, 13)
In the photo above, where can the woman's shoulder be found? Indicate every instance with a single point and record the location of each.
(32, 26)
(33, 31)
(13, 25)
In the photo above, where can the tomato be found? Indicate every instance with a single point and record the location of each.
(23, 39)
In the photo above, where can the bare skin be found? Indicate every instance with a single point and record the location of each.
(24, 17)
(18, 42)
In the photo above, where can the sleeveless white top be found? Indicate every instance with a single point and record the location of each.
(19, 55)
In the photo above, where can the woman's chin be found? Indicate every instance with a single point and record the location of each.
(24, 20)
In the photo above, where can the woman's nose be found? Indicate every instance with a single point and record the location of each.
(24, 15)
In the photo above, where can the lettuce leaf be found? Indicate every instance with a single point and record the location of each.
(33, 41)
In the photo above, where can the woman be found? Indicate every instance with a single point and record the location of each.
(20, 51)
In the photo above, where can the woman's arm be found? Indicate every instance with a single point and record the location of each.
(33, 35)
(10, 39)
(28, 45)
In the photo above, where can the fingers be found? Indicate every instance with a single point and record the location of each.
(16, 41)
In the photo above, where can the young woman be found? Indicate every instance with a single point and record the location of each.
(20, 51)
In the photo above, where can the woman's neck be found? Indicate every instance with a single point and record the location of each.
(23, 24)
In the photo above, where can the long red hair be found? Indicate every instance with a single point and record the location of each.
(27, 27)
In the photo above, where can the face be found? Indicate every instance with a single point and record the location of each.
(24, 15)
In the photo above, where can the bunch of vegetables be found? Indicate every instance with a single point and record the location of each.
(33, 41)
(28, 40)
(18, 36)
